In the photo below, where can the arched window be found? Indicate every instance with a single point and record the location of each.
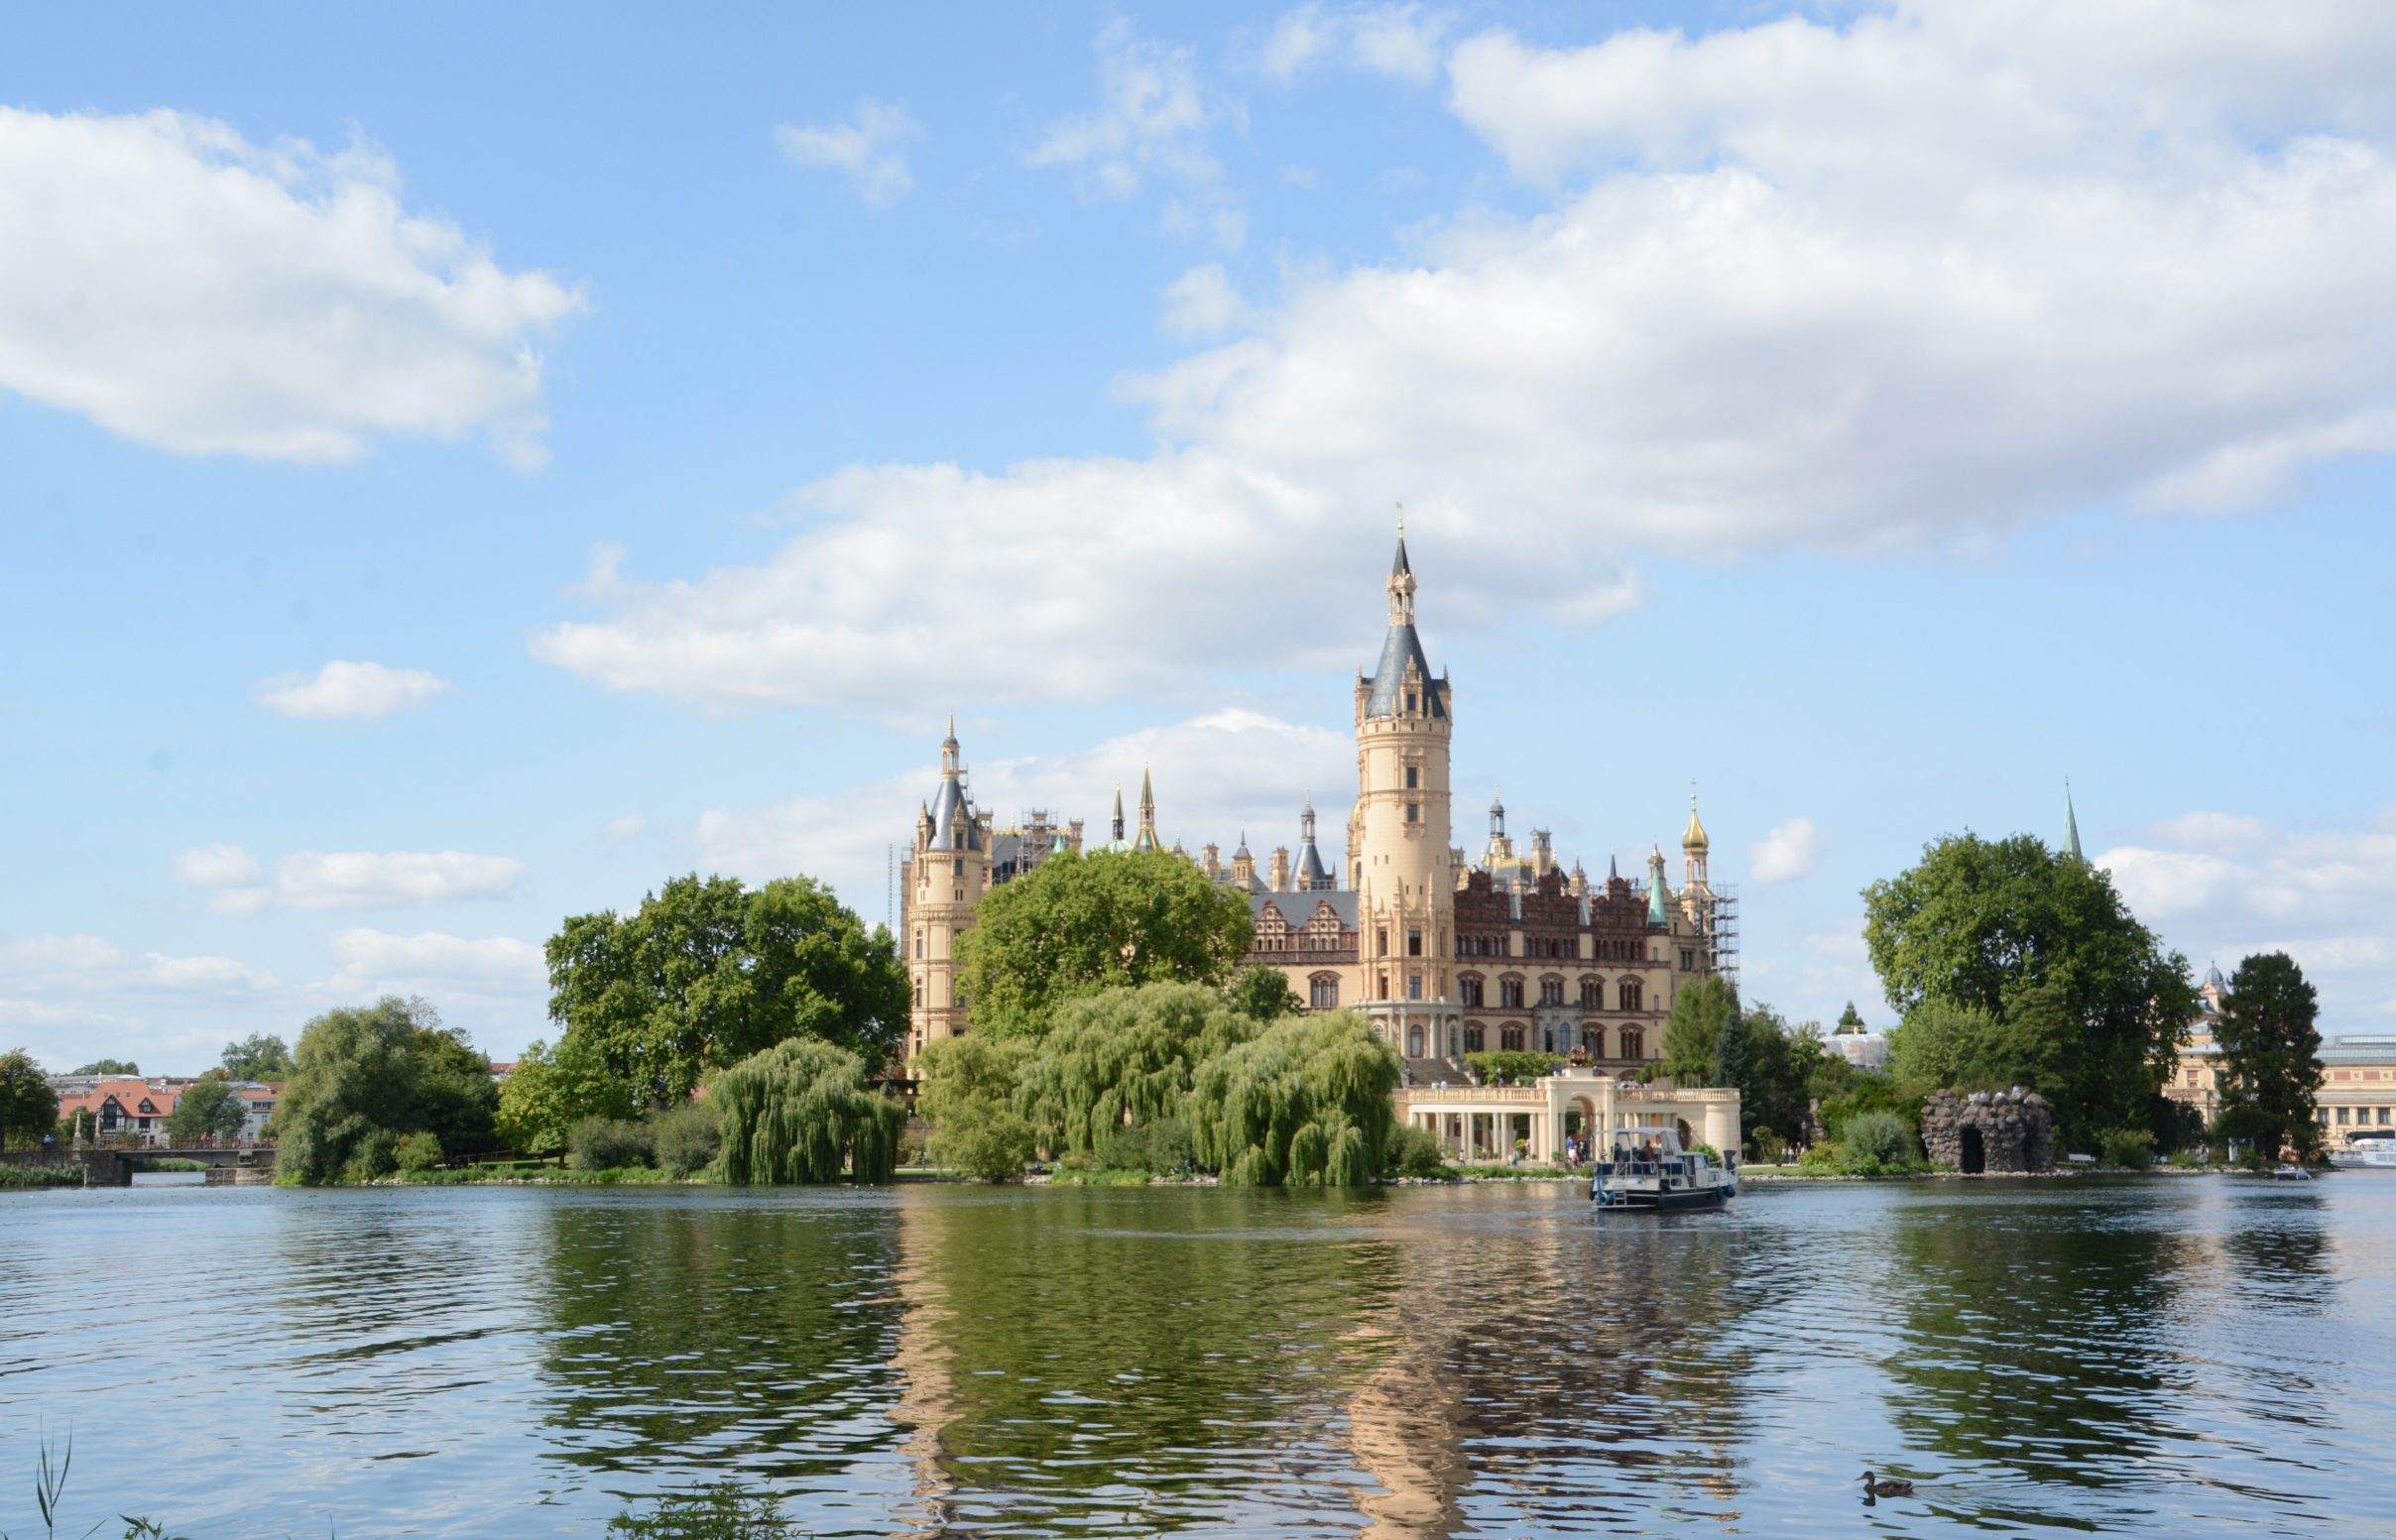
(1414, 1040)
(1593, 993)
(1551, 991)
(1472, 991)
(1593, 1041)
(1510, 1036)
(1628, 993)
(1509, 994)
(1323, 991)
(1634, 1043)
(1476, 1038)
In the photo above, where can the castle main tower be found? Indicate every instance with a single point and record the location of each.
(1399, 855)
(946, 875)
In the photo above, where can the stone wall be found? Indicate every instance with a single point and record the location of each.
(2016, 1131)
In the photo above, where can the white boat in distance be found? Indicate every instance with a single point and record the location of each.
(1646, 1168)
(2376, 1151)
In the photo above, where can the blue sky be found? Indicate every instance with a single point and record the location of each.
(462, 468)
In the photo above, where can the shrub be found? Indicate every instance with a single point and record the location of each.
(608, 1144)
(376, 1155)
(1766, 1147)
(686, 1138)
(1161, 1149)
(1880, 1141)
(1415, 1152)
(2132, 1149)
(417, 1152)
(1827, 1158)
(984, 1139)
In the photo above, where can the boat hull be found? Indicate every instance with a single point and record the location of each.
(1667, 1202)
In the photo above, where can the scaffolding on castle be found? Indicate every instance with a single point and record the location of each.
(1721, 928)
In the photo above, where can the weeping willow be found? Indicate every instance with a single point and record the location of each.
(1306, 1104)
(799, 1112)
(1122, 1058)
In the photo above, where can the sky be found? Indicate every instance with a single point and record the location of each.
(462, 466)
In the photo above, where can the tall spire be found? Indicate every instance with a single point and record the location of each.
(1497, 816)
(2070, 827)
(1148, 839)
(949, 764)
(1402, 583)
(1119, 816)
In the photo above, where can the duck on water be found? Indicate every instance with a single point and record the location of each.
(1646, 1168)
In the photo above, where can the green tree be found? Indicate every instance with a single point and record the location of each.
(29, 1103)
(1122, 1058)
(209, 1107)
(1732, 1061)
(366, 1076)
(550, 1091)
(1307, 1102)
(686, 1137)
(1941, 1045)
(2041, 944)
(707, 973)
(1261, 993)
(1078, 925)
(1851, 1020)
(2271, 1068)
(1695, 1026)
(967, 1093)
(110, 1067)
(801, 1112)
(258, 1056)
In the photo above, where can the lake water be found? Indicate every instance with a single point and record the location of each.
(2166, 1356)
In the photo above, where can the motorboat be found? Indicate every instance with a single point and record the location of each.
(2290, 1174)
(2376, 1151)
(1646, 1168)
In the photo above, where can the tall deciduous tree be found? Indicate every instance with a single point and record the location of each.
(1078, 925)
(549, 1091)
(1123, 1058)
(109, 1067)
(1695, 1027)
(801, 1112)
(1304, 1103)
(258, 1056)
(2040, 942)
(29, 1106)
(968, 1094)
(208, 1109)
(365, 1077)
(2271, 1067)
(1261, 993)
(707, 973)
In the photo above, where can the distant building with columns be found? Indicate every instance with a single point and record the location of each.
(1445, 953)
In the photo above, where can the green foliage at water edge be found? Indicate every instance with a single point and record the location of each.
(1306, 1103)
(366, 1077)
(802, 1111)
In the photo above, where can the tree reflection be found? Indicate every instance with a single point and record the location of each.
(695, 1336)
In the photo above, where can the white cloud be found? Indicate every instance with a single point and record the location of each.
(2326, 897)
(626, 827)
(215, 866)
(2094, 264)
(1202, 302)
(377, 961)
(871, 149)
(1402, 42)
(357, 880)
(78, 965)
(240, 901)
(1791, 851)
(1216, 776)
(1153, 117)
(348, 690)
(187, 288)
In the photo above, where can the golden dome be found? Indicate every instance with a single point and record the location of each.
(1694, 837)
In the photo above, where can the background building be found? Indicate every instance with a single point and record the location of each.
(1446, 954)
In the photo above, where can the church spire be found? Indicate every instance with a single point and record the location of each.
(2070, 827)
(1119, 816)
(1147, 815)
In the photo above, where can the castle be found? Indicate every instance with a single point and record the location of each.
(1446, 955)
